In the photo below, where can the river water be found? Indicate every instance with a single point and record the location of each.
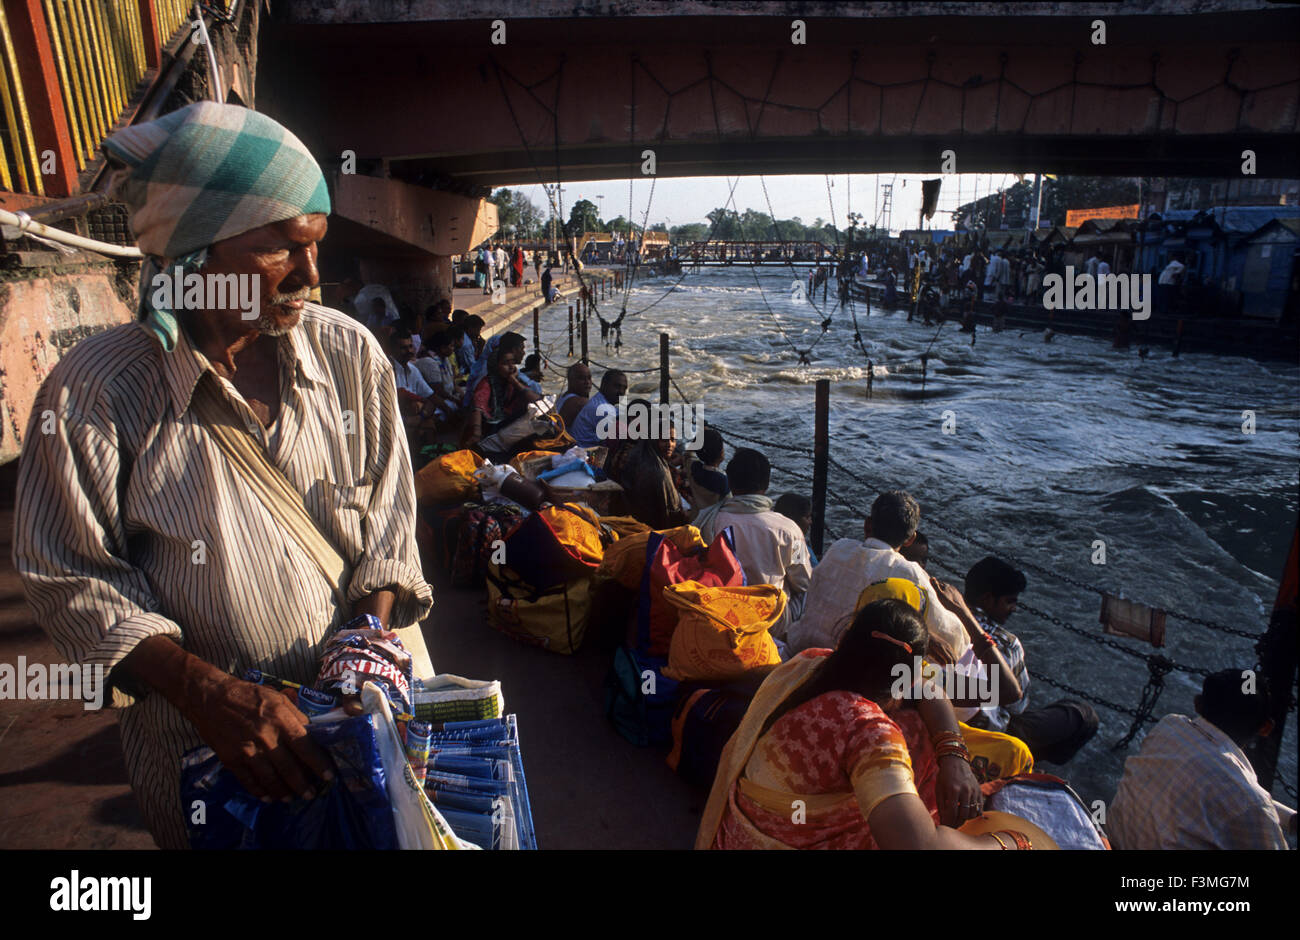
(1053, 447)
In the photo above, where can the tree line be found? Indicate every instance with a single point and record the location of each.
(519, 217)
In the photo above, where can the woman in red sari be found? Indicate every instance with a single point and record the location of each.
(827, 757)
(517, 264)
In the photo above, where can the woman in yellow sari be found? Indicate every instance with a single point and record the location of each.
(827, 757)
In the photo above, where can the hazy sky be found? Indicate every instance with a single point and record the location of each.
(690, 199)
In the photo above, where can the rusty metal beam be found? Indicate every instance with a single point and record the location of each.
(149, 30)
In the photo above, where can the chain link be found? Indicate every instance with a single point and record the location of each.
(1158, 667)
(1087, 696)
(791, 448)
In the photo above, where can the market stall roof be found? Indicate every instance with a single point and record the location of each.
(1099, 226)
(1057, 234)
(1235, 220)
(1006, 238)
(1275, 228)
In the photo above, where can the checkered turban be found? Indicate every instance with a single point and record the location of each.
(209, 172)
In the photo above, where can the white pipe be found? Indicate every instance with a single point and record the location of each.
(25, 224)
(214, 72)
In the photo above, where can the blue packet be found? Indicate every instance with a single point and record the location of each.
(350, 812)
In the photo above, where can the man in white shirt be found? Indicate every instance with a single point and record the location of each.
(1004, 274)
(439, 373)
(769, 546)
(401, 354)
(992, 276)
(850, 566)
(600, 407)
(1090, 266)
(1172, 273)
(502, 264)
(1192, 787)
(1170, 278)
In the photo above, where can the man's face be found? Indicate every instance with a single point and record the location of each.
(617, 388)
(1000, 608)
(283, 256)
(580, 381)
(667, 446)
(444, 350)
(404, 349)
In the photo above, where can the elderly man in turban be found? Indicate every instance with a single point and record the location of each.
(222, 485)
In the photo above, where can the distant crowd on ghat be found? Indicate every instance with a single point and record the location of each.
(947, 281)
(825, 723)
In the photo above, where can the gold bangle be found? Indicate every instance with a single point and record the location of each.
(1023, 842)
(998, 840)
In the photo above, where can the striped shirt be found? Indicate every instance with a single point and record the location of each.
(1191, 787)
(996, 717)
(130, 523)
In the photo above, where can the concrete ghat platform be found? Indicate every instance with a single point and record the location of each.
(63, 784)
(516, 311)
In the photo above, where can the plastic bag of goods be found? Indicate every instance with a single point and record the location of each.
(373, 802)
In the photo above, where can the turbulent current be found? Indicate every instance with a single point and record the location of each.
(1053, 448)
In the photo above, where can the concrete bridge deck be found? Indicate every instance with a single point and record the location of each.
(578, 90)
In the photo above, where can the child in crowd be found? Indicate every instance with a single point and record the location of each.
(705, 483)
(798, 507)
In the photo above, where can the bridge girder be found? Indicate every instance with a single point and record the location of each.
(582, 99)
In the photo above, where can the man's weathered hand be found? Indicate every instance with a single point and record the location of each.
(261, 737)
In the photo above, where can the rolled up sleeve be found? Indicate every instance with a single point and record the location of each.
(70, 546)
(391, 557)
(798, 574)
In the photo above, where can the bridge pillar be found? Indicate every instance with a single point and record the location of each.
(403, 236)
(417, 282)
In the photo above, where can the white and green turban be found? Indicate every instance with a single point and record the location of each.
(203, 174)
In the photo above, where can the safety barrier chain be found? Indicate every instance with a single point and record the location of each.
(874, 485)
(1107, 641)
(1157, 665)
(1003, 553)
(1087, 696)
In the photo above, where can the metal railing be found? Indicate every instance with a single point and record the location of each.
(100, 56)
(69, 71)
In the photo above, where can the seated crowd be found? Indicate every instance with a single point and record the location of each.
(829, 729)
